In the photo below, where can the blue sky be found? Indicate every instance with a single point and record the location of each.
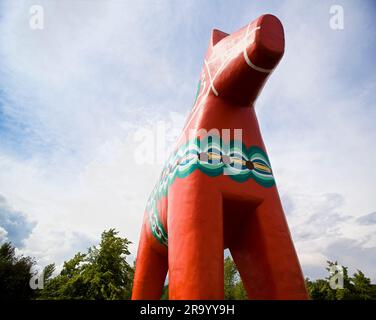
(76, 96)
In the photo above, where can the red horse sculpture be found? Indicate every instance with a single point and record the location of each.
(217, 190)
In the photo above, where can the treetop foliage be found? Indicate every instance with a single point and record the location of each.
(102, 273)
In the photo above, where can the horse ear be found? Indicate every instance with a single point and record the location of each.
(216, 36)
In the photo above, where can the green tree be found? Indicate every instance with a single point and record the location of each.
(357, 287)
(101, 273)
(233, 286)
(363, 289)
(318, 289)
(239, 291)
(164, 293)
(229, 278)
(15, 274)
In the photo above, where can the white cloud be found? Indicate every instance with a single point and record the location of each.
(3, 235)
(14, 226)
(316, 114)
(368, 219)
(74, 93)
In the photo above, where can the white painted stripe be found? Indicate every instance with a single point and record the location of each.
(249, 62)
(211, 86)
(210, 78)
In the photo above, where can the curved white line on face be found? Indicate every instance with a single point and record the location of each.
(249, 62)
(254, 66)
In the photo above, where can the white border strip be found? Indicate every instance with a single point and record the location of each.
(210, 78)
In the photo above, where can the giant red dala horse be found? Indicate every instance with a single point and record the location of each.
(217, 190)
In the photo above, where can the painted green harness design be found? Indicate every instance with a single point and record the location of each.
(212, 157)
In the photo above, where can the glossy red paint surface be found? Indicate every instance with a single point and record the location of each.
(202, 214)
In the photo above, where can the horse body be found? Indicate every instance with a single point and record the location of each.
(217, 190)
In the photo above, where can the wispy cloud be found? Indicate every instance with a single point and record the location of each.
(73, 94)
(368, 219)
(14, 226)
